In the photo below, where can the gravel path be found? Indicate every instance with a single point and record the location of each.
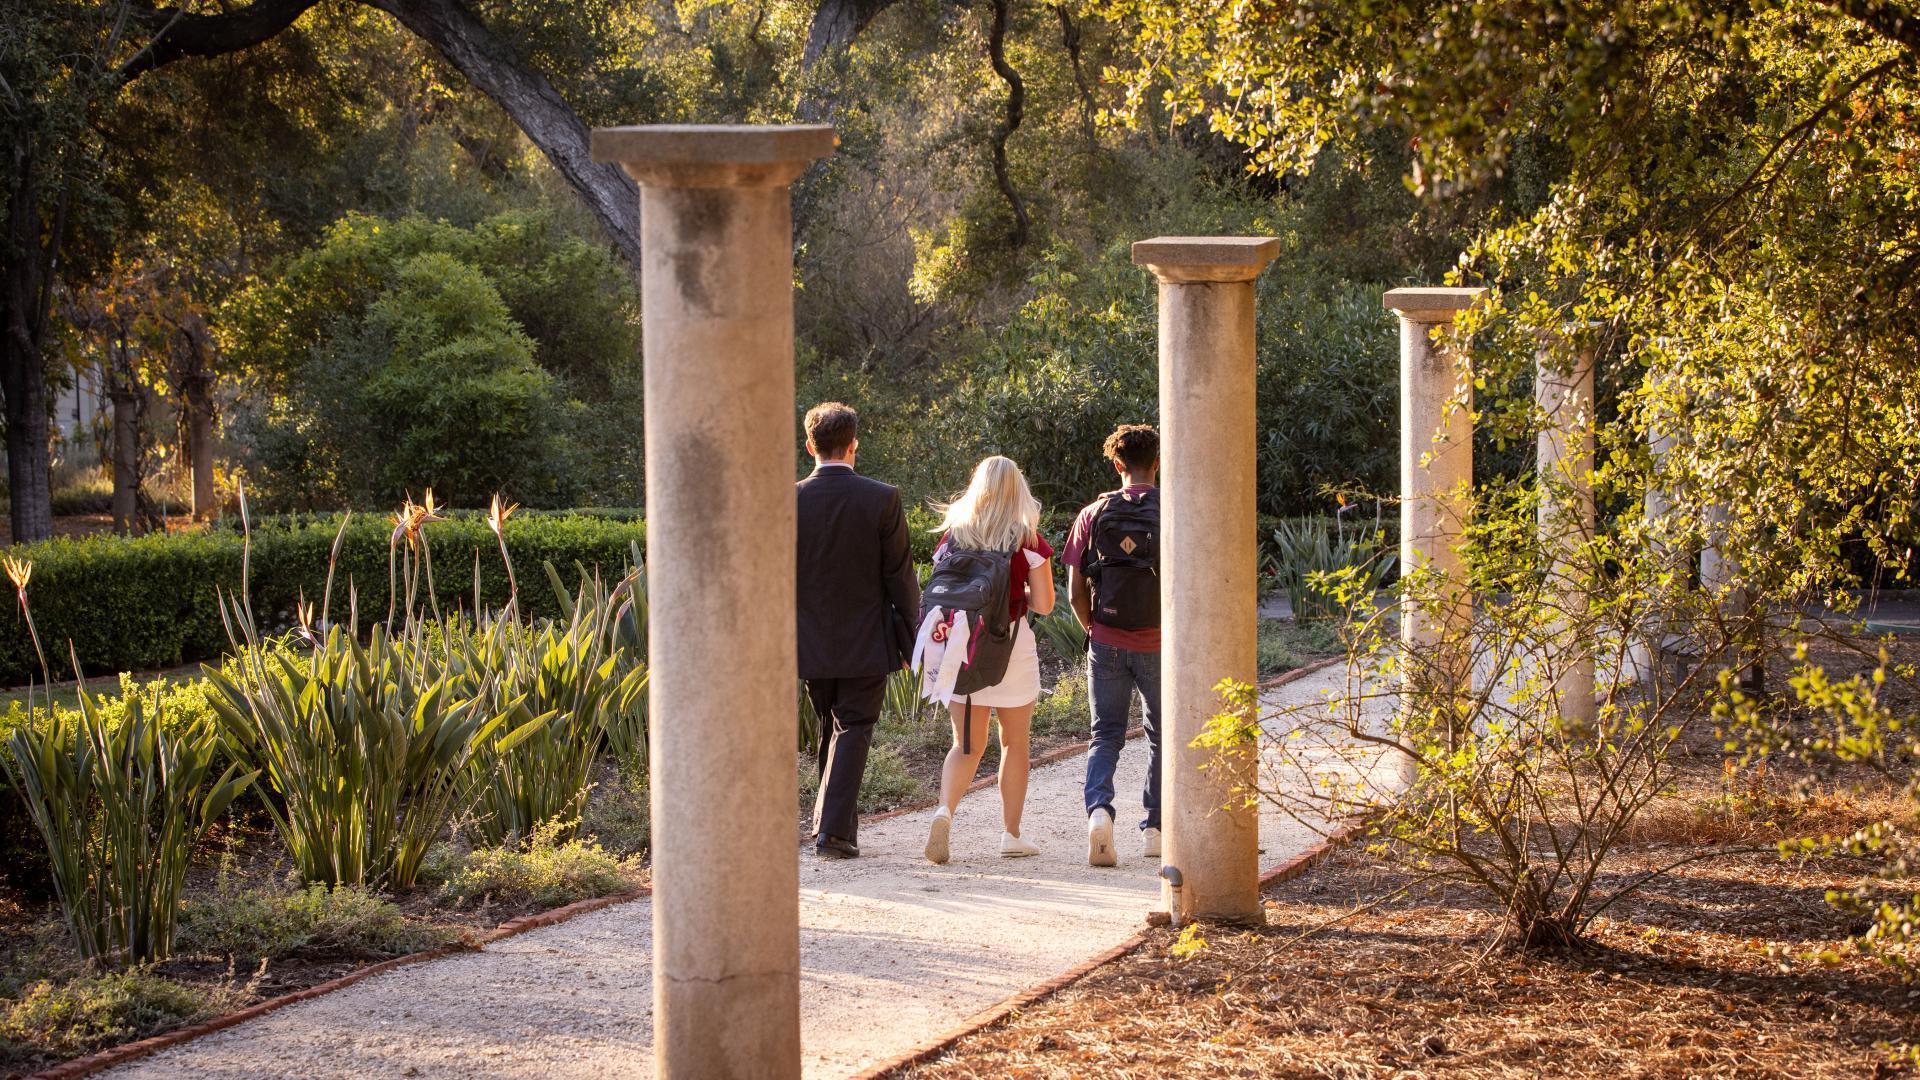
(894, 952)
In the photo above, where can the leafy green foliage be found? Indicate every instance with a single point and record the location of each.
(1062, 632)
(120, 809)
(545, 871)
(365, 751)
(903, 706)
(1456, 732)
(1283, 645)
(179, 706)
(619, 813)
(887, 783)
(1856, 726)
(1064, 707)
(466, 356)
(77, 1016)
(248, 926)
(573, 681)
(375, 750)
(1305, 550)
(150, 602)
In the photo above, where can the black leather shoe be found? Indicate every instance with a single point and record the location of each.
(832, 847)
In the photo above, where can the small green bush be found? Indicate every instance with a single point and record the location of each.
(1284, 645)
(618, 812)
(544, 872)
(365, 751)
(888, 783)
(67, 1019)
(251, 925)
(177, 704)
(1060, 631)
(578, 676)
(120, 809)
(1306, 550)
(1064, 708)
(136, 604)
(91, 493)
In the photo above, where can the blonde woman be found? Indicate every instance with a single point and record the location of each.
(997, 513)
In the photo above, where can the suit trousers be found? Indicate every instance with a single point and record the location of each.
(848, 709)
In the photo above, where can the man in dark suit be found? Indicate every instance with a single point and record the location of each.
(859, 602)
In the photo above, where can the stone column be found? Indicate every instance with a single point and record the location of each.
(1649, 657)
(1208, 592)
(1563, 389)
(1436, 483)
(717, 327)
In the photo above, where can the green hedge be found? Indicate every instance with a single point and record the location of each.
(150, 602)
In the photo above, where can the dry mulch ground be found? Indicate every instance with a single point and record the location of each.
(1681, 983)
(1711, 970)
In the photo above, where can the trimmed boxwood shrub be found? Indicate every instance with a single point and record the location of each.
(150, 602)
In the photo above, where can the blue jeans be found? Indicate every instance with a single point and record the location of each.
(1113, 674)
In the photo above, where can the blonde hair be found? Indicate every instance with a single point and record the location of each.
(997, 512)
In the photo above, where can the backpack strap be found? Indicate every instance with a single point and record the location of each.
(1090, 555)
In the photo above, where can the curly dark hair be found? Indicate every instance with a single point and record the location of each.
(1135, 446)
(831, 428)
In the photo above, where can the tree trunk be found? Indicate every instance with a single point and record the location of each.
(195, 379)
(24, 376)
(1016, 108)
(200, 451)
(126, 459)
(535, 106)
(29, 465)
(834, 25)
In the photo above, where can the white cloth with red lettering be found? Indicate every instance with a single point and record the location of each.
(939, 662)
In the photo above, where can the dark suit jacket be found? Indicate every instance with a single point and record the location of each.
(859, 599)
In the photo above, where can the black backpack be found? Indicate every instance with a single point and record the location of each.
(1122, 560)
(975, 585)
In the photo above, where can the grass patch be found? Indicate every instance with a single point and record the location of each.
(1064, 709)
(545, 872)
(931, 731)
(78, 1016)
(250, 925)
(1285, 644)
(888, 781)
(618, 813)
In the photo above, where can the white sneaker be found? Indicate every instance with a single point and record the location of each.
(1013, 847)
(937, 837)
(1100, 839)
(1150, 843)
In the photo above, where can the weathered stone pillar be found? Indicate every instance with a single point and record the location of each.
(1208, 591)
(1563, 390)
(1436, 483)
(1649, 657)
(717, 327)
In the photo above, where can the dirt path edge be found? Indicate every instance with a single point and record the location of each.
(133, 1051)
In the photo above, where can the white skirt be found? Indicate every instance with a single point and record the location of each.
(1021, 684)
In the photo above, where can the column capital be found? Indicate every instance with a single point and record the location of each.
(1431, 305)
(1182, 259)
(714, 155)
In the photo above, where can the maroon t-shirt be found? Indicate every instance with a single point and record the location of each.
(1144, 640)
